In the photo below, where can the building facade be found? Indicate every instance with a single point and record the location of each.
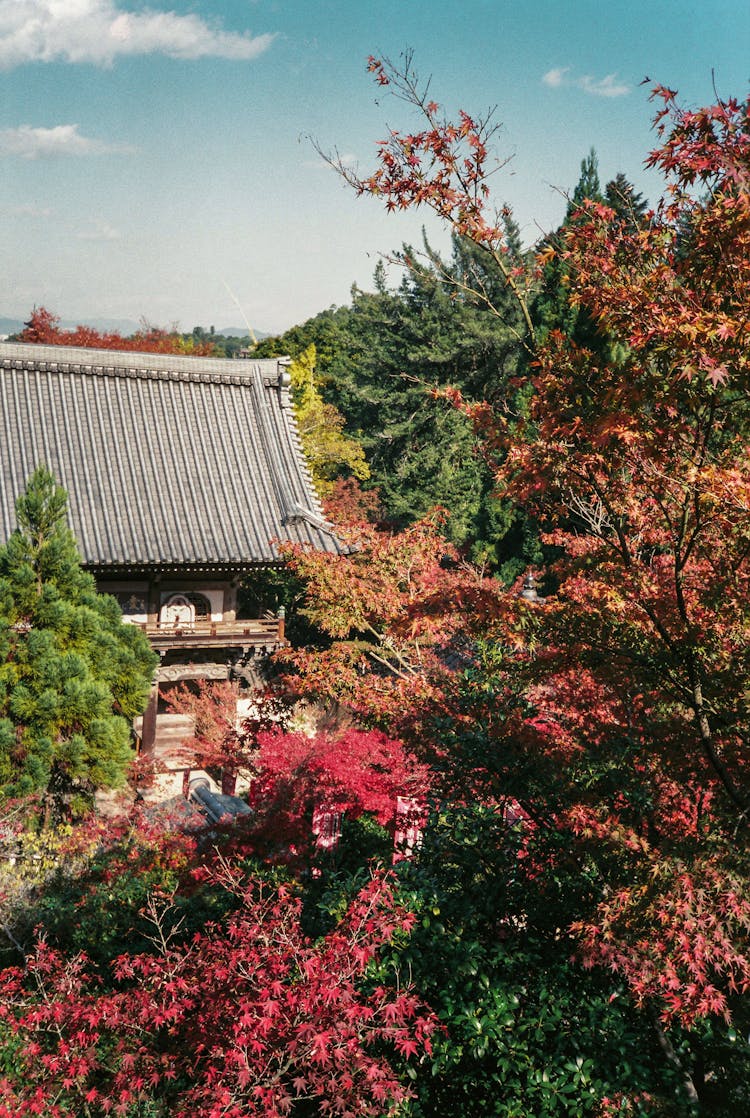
(184, 476)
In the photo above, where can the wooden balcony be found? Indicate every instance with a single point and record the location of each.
(265, 633)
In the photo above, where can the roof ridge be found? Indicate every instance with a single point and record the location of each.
(136, 364)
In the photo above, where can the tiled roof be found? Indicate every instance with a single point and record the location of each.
(168, 461)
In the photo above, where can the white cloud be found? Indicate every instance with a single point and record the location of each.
(609, 86)
(63, 139)
(29, 209)
(98, 31)
(556, 78)
(100, 231)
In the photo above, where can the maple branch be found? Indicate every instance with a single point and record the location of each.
(614, 520)
(692, 496)
(19, 947)
(454, 187)
(155, 914)
(673, 1059)
(387, 643)
(594, 515)
(706, 737)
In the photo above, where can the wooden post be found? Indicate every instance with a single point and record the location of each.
(148, 733)
(153, 604)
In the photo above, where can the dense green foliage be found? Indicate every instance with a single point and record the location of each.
(222, 345)
(383, 362)
(528, 1030)
(72, 675)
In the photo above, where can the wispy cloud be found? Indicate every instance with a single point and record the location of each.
(64, 139)
(608, 86)
(99, 230)
(29, 209)
(98, 31)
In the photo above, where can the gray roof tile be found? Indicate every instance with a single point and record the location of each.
(167, 460)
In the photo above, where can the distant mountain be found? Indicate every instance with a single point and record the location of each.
(241, 332)
(122, 326)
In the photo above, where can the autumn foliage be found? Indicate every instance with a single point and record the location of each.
(44, 329)
(583, 751)
(353, 772)
(616, 713)
(249, 1018)
(639, 467)
(296, 774)
(400, 609)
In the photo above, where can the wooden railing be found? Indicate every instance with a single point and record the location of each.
(267, 632)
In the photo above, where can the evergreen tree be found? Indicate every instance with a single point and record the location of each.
(382, 362)
(327, 331)
(72, 674)
(629, 205)
(588, 188)
(552, 308)
(403, 346)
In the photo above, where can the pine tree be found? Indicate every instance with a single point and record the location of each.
(588, 188)
(553, 309)
(382, 363)
(629, 205)
(72, 674)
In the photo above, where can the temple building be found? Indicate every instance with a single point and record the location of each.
(183, 475)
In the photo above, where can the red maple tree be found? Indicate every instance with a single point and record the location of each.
(294, 774)
(43, 328)
(400, 609)
(246, 1017)
(617, 712)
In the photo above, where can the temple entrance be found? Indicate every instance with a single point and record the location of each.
(181, 611)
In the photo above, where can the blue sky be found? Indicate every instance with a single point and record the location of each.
(154, 158)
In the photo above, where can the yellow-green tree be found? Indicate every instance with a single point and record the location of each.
(329, 451)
